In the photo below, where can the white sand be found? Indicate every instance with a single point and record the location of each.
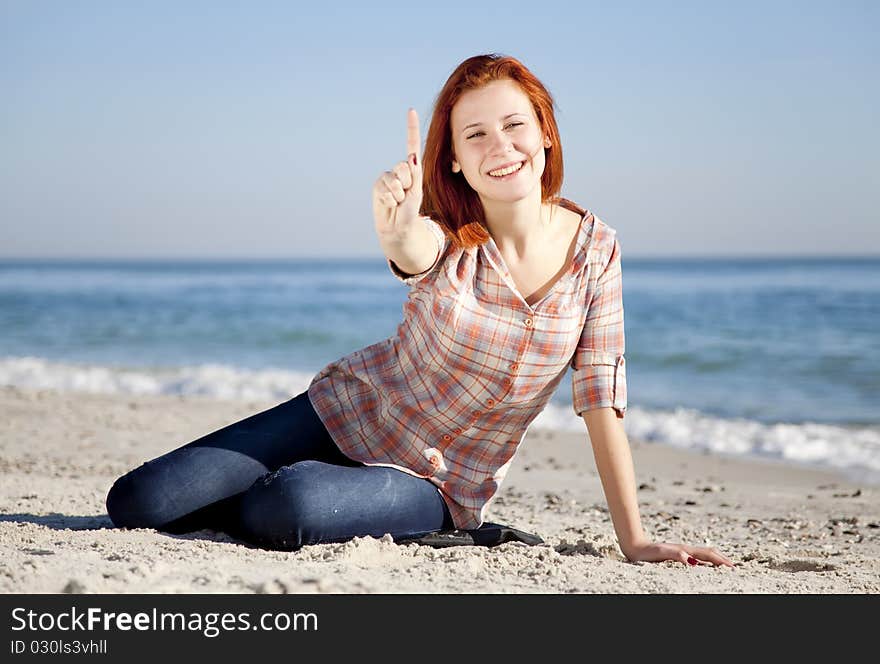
(790, 530)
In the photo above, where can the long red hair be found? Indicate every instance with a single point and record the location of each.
(447, 198)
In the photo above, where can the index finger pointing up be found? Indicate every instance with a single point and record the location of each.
(413, 141)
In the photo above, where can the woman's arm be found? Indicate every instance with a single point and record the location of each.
(614, 462)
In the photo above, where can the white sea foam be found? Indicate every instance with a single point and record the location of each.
(208, 380)
(855, 450)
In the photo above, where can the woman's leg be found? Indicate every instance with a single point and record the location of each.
(194, 485)
(311, 502)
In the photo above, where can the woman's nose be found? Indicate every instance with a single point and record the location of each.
(499, 143)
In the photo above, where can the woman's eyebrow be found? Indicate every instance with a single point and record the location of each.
(477, 124)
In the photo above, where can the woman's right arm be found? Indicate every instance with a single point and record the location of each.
(397, 196)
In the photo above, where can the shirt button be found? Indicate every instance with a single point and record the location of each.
(490, 402)
(447, 437)
(507, 382)
(528, 322)
(514, 366)
(435, 461)
(457, 432)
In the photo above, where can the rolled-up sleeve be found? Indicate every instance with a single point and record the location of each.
(599, 370)
(412, 279)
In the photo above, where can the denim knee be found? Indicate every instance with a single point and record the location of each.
(132, 501)
(282, 510)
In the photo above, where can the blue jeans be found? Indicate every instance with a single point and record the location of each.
(275, 479)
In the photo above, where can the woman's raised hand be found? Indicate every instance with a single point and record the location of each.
(397, 194)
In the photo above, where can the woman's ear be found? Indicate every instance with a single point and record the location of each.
(455, 166)
(547, 142)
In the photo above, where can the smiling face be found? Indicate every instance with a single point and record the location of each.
(497, 142)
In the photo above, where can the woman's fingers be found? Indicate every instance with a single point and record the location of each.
(397, 194)
(404, 173)
(394, 186)
(685, 557)
(413, 140)
(387, 199)
(398, 181)
(706, 556)
(412, 174)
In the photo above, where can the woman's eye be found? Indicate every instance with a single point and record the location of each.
(510, 124)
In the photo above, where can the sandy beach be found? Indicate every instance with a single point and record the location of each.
(788, 529)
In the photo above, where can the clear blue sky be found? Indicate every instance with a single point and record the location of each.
(256, 129)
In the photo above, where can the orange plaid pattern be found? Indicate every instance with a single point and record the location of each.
(451, 395)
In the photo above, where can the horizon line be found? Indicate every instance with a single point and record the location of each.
(361, 257)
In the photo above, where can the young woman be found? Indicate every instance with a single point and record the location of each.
(509, 285)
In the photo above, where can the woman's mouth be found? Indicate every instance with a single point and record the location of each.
(506, 173)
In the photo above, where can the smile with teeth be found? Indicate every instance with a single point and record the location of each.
(501, 172)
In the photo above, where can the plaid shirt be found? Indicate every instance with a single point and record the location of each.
(450, 397)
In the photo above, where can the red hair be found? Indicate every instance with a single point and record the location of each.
(450, 200)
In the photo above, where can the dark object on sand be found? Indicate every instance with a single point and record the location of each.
(489, 534)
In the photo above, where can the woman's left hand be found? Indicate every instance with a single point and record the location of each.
(688, 555)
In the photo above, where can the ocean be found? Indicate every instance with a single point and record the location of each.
(774, 358)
